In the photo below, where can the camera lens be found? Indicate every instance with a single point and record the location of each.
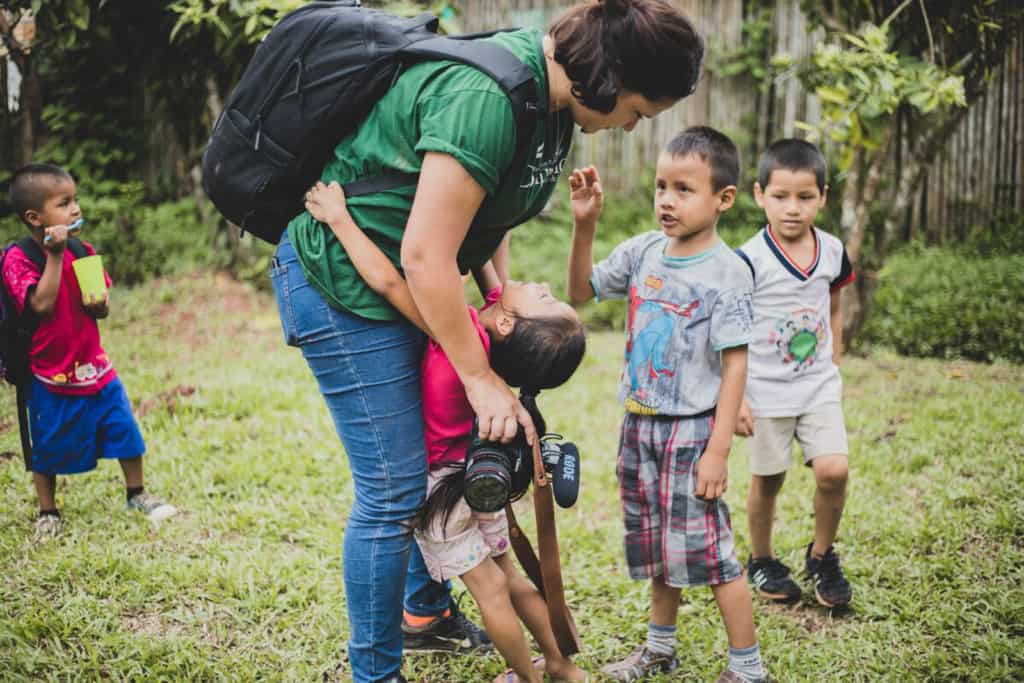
(487, 479)
(487, 492)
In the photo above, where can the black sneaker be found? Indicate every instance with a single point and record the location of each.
(772, 579)
(454, 633)
(830, 585)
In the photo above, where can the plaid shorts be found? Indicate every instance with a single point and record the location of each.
(670, 532)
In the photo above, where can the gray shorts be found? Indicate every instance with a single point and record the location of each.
(820, 432)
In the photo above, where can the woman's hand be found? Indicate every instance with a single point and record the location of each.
(326, 203)
(586, 196)
(499, 413)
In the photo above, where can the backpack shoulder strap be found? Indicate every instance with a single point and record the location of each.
(497, 62)
(77, 248)
(35, 253)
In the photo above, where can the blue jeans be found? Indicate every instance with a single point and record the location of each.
(369, 375)
(424, 597)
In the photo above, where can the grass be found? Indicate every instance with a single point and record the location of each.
(245, 583)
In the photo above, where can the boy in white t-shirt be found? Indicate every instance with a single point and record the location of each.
(793, 384)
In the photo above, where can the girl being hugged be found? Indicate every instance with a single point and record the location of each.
(533, 341)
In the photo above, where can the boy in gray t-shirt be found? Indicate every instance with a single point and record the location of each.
(687, 330)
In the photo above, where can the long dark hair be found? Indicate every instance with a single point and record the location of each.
(539, 353)
(643, 46)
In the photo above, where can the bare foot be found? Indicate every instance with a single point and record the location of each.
(564, 670)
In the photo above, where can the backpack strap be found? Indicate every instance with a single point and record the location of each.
(35, 253)
(497, 62)
(27, 320)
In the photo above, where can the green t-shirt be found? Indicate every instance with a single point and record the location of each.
(443, 107)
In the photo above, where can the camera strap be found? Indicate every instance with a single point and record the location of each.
(546, 572)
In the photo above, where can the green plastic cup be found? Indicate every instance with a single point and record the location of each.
(89, 271)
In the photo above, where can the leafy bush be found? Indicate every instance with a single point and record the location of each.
(941, 302)
(1004, 234)
(140, 241)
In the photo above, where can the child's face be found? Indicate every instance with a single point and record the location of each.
(684, 202)
(534, 300)
(61, 205)
(790, 200)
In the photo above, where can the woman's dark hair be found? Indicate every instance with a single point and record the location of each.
(643, 46)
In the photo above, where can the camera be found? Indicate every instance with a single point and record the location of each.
(497, 473)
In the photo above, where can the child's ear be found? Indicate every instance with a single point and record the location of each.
(758, 194)
(726, 197)
(33, 219)
(505, 323)
(824, 198)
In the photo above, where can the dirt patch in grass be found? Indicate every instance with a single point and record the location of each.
(222, 298)
(811, 617)
(161, 625)
(151, 624)
(165, 399)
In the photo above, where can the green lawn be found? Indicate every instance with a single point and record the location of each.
(245, 584)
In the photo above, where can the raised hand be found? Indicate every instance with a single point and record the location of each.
(56, 238)
(586, 195)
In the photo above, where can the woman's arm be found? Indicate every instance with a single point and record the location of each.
(326, 203)
(447, 199)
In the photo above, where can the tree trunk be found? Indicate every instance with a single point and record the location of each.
(859, 299)
(30, 101)
(856, 207)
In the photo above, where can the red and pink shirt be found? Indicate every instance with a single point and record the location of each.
(66, 354)
(447, 414)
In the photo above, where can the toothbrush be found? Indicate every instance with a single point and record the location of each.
(73, 229)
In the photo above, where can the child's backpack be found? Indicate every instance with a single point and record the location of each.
(310, 83)
(16, 335)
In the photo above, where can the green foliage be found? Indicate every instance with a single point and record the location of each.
(862, 84)
(249, 22)
(1003, 235)
(946, 303)
(138, 241)
(750, 59)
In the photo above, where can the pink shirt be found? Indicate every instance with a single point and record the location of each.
(66, 354)
(447, 415)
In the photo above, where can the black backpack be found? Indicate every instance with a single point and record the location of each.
(310, 83)
(16, 335)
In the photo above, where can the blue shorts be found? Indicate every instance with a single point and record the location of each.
(71, 433)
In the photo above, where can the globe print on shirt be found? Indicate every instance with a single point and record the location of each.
(797, 338)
